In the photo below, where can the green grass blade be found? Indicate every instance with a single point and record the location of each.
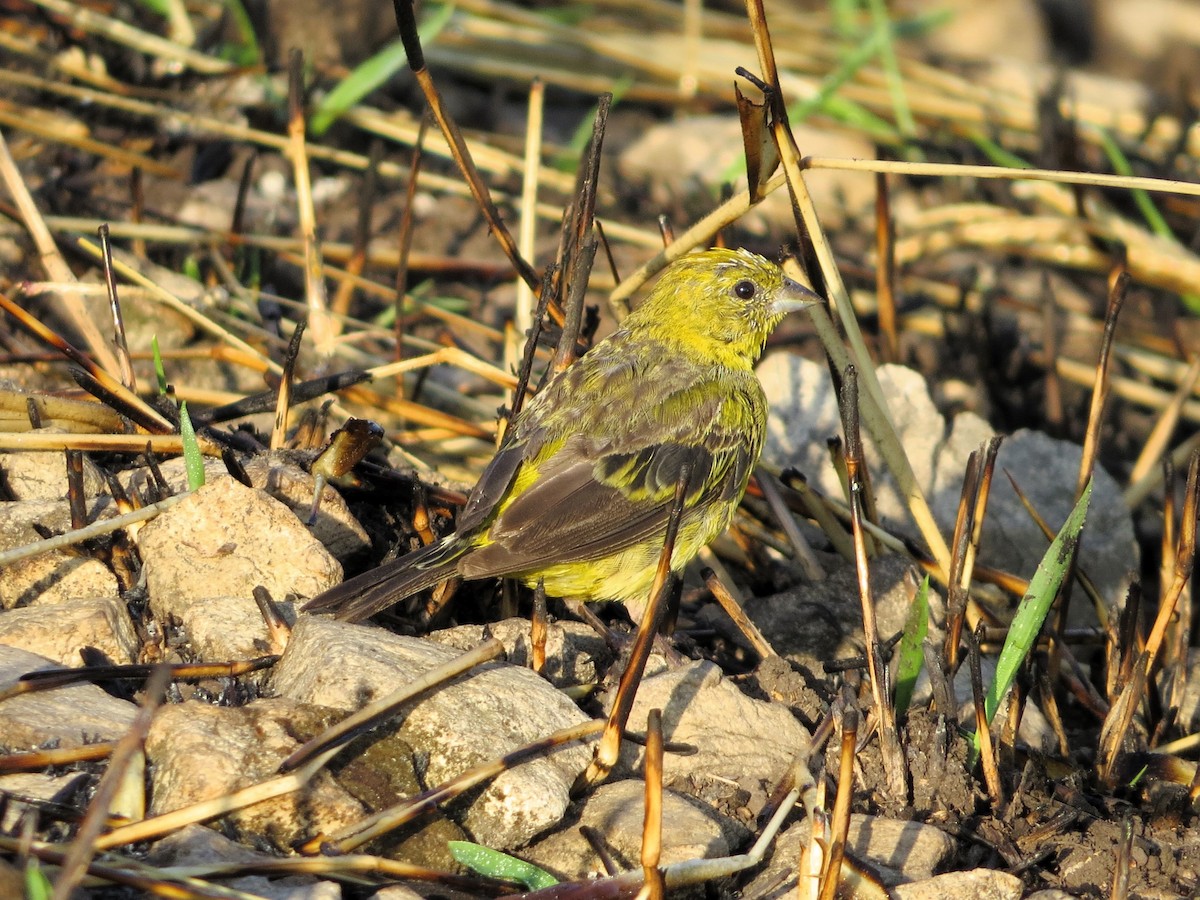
(910, 656)
(37, 885)
(193, 459)
(1145, 204)
(369, 75)
(160, 373)
(891, 68)
(247, 51)
(997, 155)
(494, 864)
(1120, 163)
(1035, 605)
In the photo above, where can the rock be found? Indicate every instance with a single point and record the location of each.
(901, 851)
(198, 752)
(328, 36)
(812, 624)
(60, 631)
(978, 884)
(738, 762)
(18, 518)
(572, 648)
(219, 629)
(417, 891)
(68, 716)
(689, 158)
(1046, 470)
(55, 577)
(195, 845)
(804, 414)
(21, 787)
(284, 479)
(287, 482)
(224, 540)
(1013, 29)
(42, 475)
(1188, 714)
(616, 812)
(475, 719)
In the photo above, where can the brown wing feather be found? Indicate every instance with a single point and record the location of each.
(592, 498)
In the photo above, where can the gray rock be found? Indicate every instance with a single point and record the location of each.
(900, 851)
(475, 719)
(70, 716)
(812, 624)
(979, 884)
(280, 476)
(616, 811)
(1189, 703)
(198, 752)
(42, 474)
(195, 845)
(1046, 470)
(224, 540)
(572, 648)
(804, 414)
(60, 631)
(743, 746)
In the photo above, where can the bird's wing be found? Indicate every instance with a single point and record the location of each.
(608, 489)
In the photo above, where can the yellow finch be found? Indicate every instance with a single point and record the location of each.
(580, 492)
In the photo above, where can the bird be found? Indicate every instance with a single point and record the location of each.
(579, 493)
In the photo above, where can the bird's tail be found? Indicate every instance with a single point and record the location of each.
(384, 586)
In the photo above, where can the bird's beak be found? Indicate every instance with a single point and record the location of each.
(793, 296)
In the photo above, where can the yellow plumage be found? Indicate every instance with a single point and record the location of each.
(580, 492)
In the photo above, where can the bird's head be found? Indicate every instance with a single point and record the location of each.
(729, 298)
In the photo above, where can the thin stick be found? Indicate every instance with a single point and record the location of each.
(283, 399)
(733, 608)
(527, 231)
(987, 752)
(1058, 176)
(405, 236)
(52, 260)
(1160, 435)
(885, 713)
(609, 747)
(840, 821)
(114, 306)
(885, 270)
(653, 887)
(316, 297)
(96, 529)
(84, 846)
(407, 21)
(809, 563)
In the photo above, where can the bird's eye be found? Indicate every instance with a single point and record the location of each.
(745, 289)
